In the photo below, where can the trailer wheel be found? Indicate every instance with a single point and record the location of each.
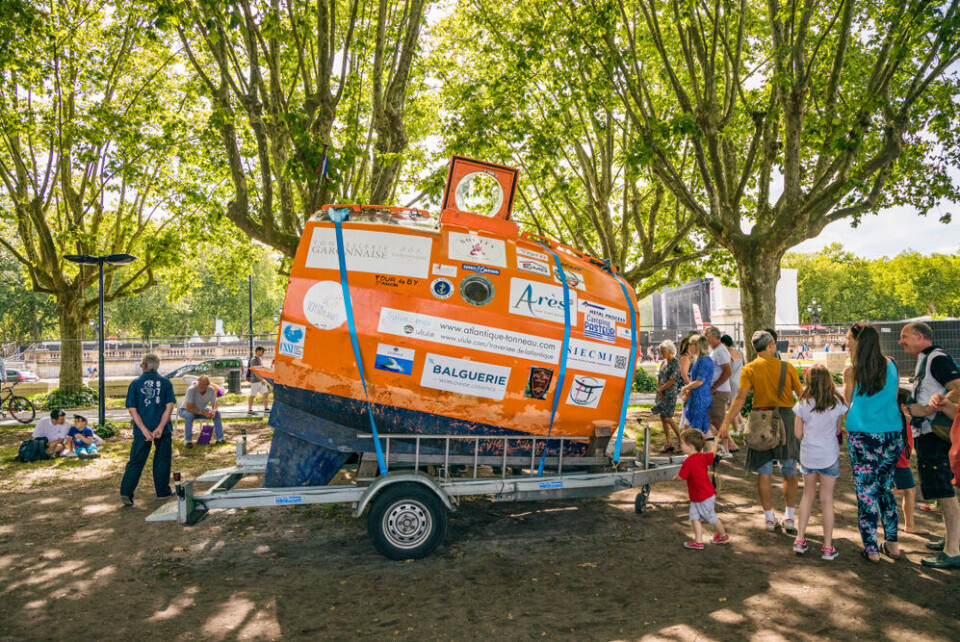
(406, 521)
(640, 503)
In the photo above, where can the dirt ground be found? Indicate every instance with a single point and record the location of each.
(75, 565)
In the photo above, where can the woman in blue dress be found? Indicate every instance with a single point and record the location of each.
(696, 393)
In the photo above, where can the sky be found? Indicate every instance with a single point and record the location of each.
(891, 232)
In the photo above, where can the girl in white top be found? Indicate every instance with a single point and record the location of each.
(819, 420)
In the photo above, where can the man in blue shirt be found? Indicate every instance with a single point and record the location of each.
(150, 402)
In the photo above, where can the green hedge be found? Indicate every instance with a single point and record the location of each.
(85, 398)
(642, 382)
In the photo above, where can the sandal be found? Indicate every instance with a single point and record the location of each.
(886, 551)
(867, 557)
(667, 449)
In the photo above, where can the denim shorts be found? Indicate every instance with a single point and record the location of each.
(829, 471)
(903, 478)
(788, 468)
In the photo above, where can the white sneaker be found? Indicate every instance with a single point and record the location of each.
(789, 527)
(69, 453)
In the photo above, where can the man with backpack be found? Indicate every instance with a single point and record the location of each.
(257, 385)
(937, 374)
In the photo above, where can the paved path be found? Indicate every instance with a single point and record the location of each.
(236, 411)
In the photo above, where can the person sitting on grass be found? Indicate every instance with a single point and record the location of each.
(819, 420)
(84, 441)
(699, 487)
(55, 430)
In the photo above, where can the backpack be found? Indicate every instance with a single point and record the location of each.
(256, 361)
(33, 450)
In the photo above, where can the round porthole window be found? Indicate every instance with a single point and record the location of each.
(480, 193)
(476, 290)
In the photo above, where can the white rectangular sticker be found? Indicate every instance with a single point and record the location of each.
(444, 270)
(540, 300)
(474, 248)
(604, 311)
(531, 254)
(468, 335)
(465, 377)
(597, 357)
(624, 333)
(574, 278)
(585, 391)
(292, 336)
(368, 251)
(534, 267)
(394, 359)
(597, 327)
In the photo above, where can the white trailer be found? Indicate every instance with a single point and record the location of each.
(407, 516)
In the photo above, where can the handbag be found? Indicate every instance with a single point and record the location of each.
(765, 429)
(941, 424)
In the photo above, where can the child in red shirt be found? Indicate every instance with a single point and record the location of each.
(903, 483)
(695, 469)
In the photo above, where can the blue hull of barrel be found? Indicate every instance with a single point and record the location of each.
(315, 433)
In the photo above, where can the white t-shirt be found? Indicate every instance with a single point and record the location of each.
(819, 447)
(720, 356)
(46, 428)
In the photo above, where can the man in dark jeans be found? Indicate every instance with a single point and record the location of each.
(150, 402)
(936, 376)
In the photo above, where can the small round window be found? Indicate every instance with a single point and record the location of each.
(480, 193)
(476, 290)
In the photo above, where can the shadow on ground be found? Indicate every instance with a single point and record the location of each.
(73, 564)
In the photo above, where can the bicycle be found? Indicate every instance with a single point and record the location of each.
(20, 408)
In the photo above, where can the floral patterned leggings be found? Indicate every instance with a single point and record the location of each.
(873, 457)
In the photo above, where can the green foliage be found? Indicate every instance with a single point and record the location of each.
(533, 92)
(643, 382)
(106, 430)
(197, 292)
(65, 399)
(25, 315)
(851, 288)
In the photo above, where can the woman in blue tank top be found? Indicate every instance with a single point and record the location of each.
(874, 438)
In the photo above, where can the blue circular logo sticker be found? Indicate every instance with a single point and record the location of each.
(442, 288)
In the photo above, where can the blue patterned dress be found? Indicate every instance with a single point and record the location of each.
(698, 405)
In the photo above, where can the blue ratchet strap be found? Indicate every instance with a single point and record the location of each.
(353, 339)
(631, 364)
(563, 349)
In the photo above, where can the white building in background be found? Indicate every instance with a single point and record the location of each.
(725, 302)
(702, 302)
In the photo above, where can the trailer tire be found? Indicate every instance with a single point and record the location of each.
(640, 503)
(406, 521)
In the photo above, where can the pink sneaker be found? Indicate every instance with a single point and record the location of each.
(693, 545)
(800, 546)
(828, 553)
(720, 540)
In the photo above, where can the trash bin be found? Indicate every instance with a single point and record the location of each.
(233, 382)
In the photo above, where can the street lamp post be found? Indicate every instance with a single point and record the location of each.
(814, 309)
(110, 259)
